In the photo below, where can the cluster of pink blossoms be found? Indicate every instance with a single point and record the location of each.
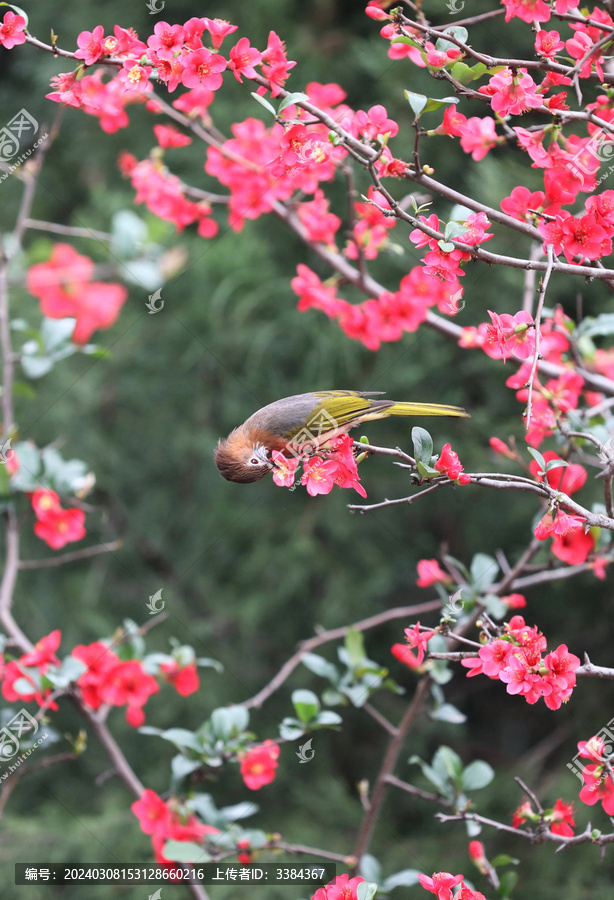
(597, 776)
(323, 470)
(386, 318)
(445, 264)
(516, 659)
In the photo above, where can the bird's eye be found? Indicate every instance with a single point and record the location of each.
(255, 461)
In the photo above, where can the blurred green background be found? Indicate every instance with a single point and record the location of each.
(248, 571)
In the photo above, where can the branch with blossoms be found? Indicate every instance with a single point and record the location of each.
(282, 164)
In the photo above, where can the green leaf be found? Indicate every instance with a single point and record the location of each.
(179, 737)
(239, 811)
(355, 646)
(306, 704)
(466, 74)
(445, 246)
(454, 229)
(261, 100)
(369, 868)
(290, 729)
(456, 31)
(320, 666)
(366, 890)
(417, 102)
(447, 763)
(598, 325)
(403, 39)
(556, 464)
(423, 444)
(185, 852)
(448, 713)
(539, 459)
(228, 721)
(484, 570)
(493, 606)
(28, 454)
(504, 860)
(434, 103)
(328, 718)
(477, 775)
(290, 99)
(404, 878)
(507, 885)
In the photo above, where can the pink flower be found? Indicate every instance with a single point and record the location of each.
(12, 30)
(319, 475)
(166, 40)
(440, 884)
(511, 335)
(513, 92)
(91, 45)
(495, 657)
(527, 10)
(341, 888)
(285, 469)
(478, 136)
(243, 58)
(277, 64)
(167, 137)
(152, 812)
(548, 43)
(375, 122)
(133, 76)
(218, 29)
(203, 69)
(430, 572)
(418, 640)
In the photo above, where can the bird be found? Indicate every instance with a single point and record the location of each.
(303, 423)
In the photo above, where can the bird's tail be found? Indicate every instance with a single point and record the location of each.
(424, 409)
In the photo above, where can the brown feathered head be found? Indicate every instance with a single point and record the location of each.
(240, 459)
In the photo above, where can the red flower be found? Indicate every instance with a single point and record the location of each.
(548, 43)
(203, 69)
(128, 683)
(449, 464)
(573, 547)
(258, 765)
(278, 65)
(561, 819)
(44, 651)
(99, 659)
(166, 40)
(14, 672)
(430, 572)
(478, 136)
(45, 501)
(91, 45)
(510, 335)
(319, 475)
(341, 888)
(403, 654)
(167, 137)
(58, 527)
(440, 884)
(419, 640)
(218, 29)
(243, 58)
(185, 680)
(152, 812)
(12, 31)
(513, 92)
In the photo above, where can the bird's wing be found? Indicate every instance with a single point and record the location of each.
(343, 407)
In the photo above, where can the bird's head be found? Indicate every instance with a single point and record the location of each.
(239, 458)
